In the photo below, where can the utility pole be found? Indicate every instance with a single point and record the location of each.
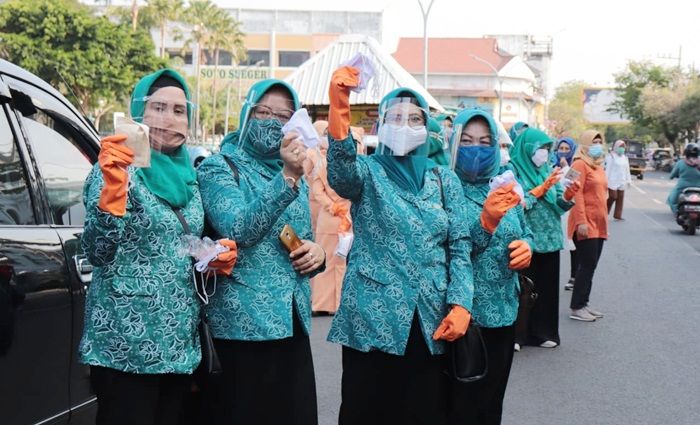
(425, 13)
(500, 82)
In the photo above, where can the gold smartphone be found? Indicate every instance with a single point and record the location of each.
(289, 238)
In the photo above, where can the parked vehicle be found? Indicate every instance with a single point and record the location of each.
(47, 149)
(688, 215)
(635, 155)
(663, 160)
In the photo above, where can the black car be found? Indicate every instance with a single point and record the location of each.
(47, 149)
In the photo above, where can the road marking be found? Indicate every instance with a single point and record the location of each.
(639, 190)
(657, 201)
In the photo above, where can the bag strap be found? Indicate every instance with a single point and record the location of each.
(233, 167)
(439, 183)
(181, 217)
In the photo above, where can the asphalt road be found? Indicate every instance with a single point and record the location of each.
(638, 365)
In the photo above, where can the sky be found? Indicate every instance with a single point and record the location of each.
(593, 39)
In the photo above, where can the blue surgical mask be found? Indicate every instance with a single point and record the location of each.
(264, 136)
(473, 161)
(595, 151)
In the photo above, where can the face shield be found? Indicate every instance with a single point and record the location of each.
(402, 128)
(262, 125)
(473, 153)
(165, 113)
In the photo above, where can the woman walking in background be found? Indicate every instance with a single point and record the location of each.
(588, 221)
(617, 171)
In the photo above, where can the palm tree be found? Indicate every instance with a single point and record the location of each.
(201, 15)
(226, 35)
(165, 11)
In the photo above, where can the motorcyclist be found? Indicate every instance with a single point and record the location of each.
(687, 172)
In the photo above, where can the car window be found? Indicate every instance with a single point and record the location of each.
(15, 201)
(55, 141)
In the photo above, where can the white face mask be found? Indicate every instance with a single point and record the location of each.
(402, 139)
(505, 156)
(540, 157)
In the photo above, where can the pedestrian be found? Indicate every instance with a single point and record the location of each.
(501, 247)
(140, 335)
(261, 315)
(333, 221)
(408, 285)
(563, 157)
(545, 203)
(617, 171)
(588, 221)
(687, 172)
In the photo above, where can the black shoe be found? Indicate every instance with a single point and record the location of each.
(569, 286)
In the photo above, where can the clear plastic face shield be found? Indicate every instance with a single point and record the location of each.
(472, 149)
(263, 121)
(165, 116)
(402, 128)
(447, 130)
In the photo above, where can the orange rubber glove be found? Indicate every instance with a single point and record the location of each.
(497, 205)
(571, 191)
(224, 262)
(454, 325)
(520, 255)
(114, 157)
(553, 179)
(339, 93)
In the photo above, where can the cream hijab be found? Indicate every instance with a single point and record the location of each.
(585, 142)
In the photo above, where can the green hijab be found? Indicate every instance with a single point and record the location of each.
(171, 175)
(478, 190)
(408, 172)
(530, 176)
(435, 150)
(270, 161)
(516, 129)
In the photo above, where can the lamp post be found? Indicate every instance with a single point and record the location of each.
(228, 92)
(425, 13)
(500, 82)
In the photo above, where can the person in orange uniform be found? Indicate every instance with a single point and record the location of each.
(330, 218)
(588, 221)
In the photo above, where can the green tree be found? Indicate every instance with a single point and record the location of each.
(163, 12)
(81, 54)
(566, 111)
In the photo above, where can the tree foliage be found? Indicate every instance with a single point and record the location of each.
(566, 110)
(66, 45)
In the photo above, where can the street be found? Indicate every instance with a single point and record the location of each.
(638, 365)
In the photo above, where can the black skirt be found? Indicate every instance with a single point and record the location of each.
(264, 382)
(380, 388)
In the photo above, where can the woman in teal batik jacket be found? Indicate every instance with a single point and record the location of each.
(545, 203)
(261, 316)
(501, 242)
(408, 283)
(141, 312)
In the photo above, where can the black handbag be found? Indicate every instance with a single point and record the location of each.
(210, 363)
(527, 299)
(467, 356)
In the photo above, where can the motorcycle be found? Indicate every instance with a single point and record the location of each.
(688, 215)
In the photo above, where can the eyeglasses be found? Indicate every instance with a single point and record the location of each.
(263, 112)
(414, 120)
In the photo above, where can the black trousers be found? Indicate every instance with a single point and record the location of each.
(264, 382)
(574, 264)
(589, 251)
(381, 389)
(481, 402)
(138, 399)
(544, 317)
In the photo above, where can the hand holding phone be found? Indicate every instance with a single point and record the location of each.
(289, 238)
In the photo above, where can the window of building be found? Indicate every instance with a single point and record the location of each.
(255, 56)
(15, 200)
(293, 59)
(59, 148)
(225, 57)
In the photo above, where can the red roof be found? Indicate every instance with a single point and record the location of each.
(451, 55)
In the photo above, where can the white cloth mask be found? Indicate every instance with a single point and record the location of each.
(505, 156)
(540, 157)
(402, 139)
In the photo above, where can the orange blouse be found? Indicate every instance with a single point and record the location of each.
(591, 201)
